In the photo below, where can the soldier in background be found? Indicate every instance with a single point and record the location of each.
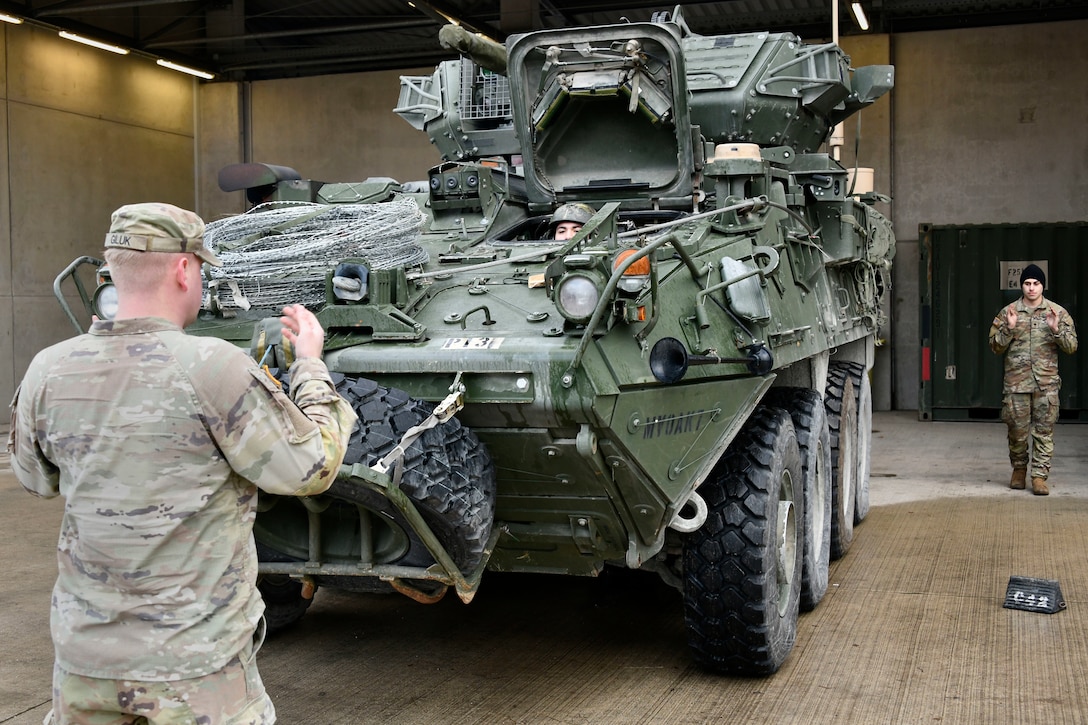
(568, 219)
(158, 441)
(1029, 332)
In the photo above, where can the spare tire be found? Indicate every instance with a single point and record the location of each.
(447, 473)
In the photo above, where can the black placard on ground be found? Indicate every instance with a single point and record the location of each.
(1034, 595)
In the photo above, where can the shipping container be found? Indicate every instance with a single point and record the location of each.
(968, 273)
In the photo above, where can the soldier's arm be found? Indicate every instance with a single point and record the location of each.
(1000, 334)
(35, 472)
(1066, 336)
(283, 446)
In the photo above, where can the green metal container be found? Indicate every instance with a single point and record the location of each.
(968, 273)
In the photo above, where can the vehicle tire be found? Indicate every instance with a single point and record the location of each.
(863, 391)
(806, 408)
(841, 408)
(742, 567)
(447, 473)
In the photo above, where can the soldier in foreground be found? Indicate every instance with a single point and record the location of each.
(1029, 332)
(158, 440)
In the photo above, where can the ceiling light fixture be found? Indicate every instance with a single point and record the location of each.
(184, 69)
(10, 19)
(94, 43)
(859, 15)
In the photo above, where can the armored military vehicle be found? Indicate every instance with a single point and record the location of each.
(682, 387)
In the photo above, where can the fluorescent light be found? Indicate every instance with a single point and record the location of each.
(10, 19)
(93, 43)
(183, 69)
(859, 15)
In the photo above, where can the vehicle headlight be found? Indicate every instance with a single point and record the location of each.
(105, 301)
(577, 295)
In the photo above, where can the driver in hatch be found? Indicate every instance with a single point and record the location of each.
(568, 219)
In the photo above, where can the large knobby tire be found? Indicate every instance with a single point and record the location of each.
(863, 391)
(842, 418)
(806, 408)
(447, 473)
(742, 567)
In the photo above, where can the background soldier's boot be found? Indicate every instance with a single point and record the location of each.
(1038, 487)
(1019, 478)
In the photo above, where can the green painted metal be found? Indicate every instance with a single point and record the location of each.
(743, 242)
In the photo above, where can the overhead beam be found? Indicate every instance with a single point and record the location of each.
(298, 32)
(68, 9)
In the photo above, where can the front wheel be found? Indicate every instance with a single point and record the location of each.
(742, 568)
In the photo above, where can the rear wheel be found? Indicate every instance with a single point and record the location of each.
(841, 408)
(863, 391)
(806, 408)
(742, 568)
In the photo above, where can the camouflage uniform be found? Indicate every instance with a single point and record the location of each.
(1030, 393)
(158, 441)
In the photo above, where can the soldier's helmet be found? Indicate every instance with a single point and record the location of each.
(572, 212)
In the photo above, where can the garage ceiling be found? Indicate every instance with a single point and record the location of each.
(265, 39)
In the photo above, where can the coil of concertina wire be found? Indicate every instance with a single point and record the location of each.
(278, 253)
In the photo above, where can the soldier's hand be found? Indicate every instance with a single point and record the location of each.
(1052, 320)
(303, 331)
(1011, 317)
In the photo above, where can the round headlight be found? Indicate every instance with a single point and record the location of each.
(105, 302)
(577, 296)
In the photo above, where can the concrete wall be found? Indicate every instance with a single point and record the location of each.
(867, 142)
(7, 317)
(85, 131)
(989, 127)
(984, 125)
(330, 128)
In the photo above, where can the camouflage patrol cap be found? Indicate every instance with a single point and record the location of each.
(572, 212)
(158, 227)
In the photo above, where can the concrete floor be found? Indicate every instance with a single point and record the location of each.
(912, 628)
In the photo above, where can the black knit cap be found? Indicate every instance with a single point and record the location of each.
(1032, 271)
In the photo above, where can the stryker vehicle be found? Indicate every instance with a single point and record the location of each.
(682, 387)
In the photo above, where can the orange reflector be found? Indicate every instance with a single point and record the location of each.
(638, 268)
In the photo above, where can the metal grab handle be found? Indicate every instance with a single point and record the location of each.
(69, 271)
